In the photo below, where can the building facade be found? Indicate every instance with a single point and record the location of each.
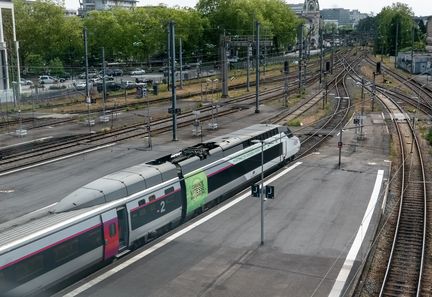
(344, 17)
(9, 58)
(89, 5)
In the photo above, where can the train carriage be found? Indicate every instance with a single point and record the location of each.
(111, 215)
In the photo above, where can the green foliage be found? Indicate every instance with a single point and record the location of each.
(236, 17)
(34, 64)
(393, 19)
(429, 136)
(48, 36)
(56, 67)
(294, 123)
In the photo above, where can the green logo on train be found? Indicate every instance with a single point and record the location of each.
(196, 191)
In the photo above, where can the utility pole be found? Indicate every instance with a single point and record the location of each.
(321, 49)
(286, 71)
(362, 109)
(224, 64)
(412, 49)
(257, 71)
(88, 100)
(332, 52)
(181, 64)
(373, 91)
(249, 54)
(300, 60)
(103, 80)
(173, 86)
(396, 43)
(168, 56)
(340, 146)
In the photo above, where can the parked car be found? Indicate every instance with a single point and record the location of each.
(25, 82)
(117, 72)
(79, 86)
(90, 75)
(46, 79)
(138, 71)
(128, 85)
(110, 86)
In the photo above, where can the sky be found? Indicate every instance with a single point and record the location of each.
(420, 7)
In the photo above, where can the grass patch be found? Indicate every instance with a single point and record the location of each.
(294, 123)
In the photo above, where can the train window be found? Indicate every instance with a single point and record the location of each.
(141, 202)
(112, 229)
(65, 251)
(29, 268)
(90, 240)
(151, 198)
(169, 190)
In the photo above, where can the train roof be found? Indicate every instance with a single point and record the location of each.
(30, 226)
(33, 226)
(222, 145)
(117, 185)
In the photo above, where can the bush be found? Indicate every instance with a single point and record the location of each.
(429, 136)
(294, 123)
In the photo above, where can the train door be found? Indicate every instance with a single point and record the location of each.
(123, 228)
(111, 233)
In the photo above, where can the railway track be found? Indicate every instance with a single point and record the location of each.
(14, 157)
(403, 276)
(423, 93)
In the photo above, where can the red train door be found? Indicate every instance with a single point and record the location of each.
(111, 233)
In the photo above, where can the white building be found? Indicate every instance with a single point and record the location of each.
(9, 60)
(89, 5)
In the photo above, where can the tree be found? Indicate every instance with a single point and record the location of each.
(392, 21)
(44, 30)
(237, 17)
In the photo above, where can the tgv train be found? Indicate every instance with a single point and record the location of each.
(111, 215)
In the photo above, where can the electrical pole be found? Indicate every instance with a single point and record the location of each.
(362, 109)
(321, 49)
(224, 64)
(257, 71)
(340, 147)
(87, 90)
(286, 71)
(332, 52)
(168, 56)
(396, 43)
(300, 60)
(103, 81)
(373, 91)
(173, 84)
(412, 49)
(181, 64)
(249, 54)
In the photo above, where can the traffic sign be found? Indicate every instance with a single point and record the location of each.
(255, 190)
(269, 192)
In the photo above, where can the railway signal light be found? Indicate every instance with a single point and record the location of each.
(378, 68)
(286, 67)
(327, 68)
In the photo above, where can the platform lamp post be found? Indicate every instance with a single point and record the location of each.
(261, 187)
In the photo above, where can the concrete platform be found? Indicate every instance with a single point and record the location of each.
(316, 234)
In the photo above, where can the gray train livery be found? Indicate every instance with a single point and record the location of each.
(118, 212)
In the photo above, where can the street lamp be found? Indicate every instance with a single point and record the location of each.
(262, 186)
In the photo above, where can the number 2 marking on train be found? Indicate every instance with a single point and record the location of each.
(162, 204)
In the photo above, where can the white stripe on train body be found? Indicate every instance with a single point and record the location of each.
(113, 213)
